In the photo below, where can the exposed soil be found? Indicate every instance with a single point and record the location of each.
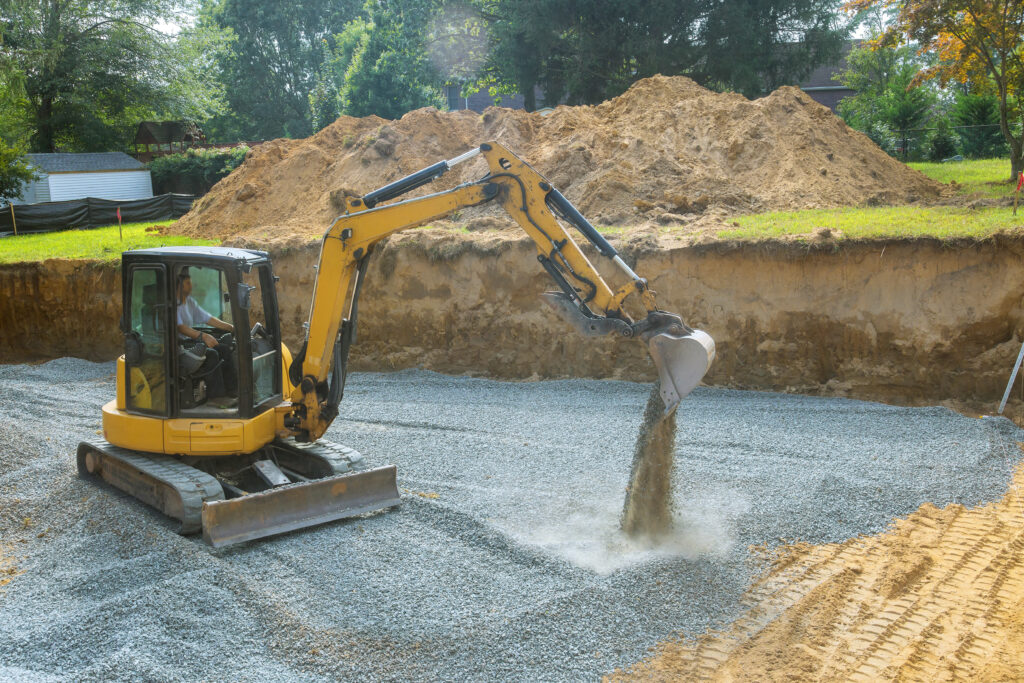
(666, 151)
(939, 597)
(8, 568)
(648, 508)
(912, 322)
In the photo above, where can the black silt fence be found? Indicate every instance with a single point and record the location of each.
(92, 213)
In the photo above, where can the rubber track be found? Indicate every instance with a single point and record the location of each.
(191, 485)
(341, 459)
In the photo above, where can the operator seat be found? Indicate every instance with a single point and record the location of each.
(196, 362)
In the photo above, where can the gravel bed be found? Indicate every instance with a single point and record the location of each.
(503, 561)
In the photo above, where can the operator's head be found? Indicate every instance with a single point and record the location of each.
(184, 284)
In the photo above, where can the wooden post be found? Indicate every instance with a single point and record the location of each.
(13, 221)
(1016, 194)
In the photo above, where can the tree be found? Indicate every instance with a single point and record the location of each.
(390, 72)
(325, 100)
(456, 42)
(888, 99)
(14, 124)
(755, 46)
(977, 114)
(91, 69)
(585, 52)
(520, 47)
(14, 172)
(271, 68)
(971, 38)
(380, 65)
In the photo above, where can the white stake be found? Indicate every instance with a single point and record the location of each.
(1013, 376)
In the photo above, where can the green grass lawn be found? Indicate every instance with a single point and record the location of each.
(984, 176)
(882, 221)
(987, 176)
(100, 243)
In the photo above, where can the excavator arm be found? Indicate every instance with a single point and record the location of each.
(681, 354)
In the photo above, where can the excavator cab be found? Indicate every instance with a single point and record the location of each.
(222, 464)
(172, 376)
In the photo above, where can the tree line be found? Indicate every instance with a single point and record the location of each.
(78, 75)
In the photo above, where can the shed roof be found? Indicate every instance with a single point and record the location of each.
(84, 163)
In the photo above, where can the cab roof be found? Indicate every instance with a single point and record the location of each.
(197, 253)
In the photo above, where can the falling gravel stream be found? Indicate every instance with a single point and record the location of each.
(506, 560)
(648, 508)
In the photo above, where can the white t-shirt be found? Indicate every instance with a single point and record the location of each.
(191, 314)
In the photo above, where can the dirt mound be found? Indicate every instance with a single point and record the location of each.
(936, 598)
(664, 149)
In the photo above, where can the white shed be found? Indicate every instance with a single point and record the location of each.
(104, 175)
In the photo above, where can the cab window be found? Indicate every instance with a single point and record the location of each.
(145, 338)
(208, 288)
(265, 373)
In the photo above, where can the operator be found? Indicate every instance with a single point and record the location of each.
(224, 380)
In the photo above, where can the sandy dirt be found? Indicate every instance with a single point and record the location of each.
(8, 568)
(667, 151)
(938, 597)
(882, 321)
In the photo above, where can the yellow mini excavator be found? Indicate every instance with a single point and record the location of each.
(255, 465)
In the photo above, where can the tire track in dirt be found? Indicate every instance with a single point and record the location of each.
(938, 597)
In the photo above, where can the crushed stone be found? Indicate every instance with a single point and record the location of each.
(504, 561)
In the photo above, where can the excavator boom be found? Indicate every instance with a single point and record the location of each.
(585, 300)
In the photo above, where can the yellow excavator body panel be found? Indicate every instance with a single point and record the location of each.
(189, 436)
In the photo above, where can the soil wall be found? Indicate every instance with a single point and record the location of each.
(905, 322)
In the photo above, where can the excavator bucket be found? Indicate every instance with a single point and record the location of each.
(682, 361)
(682, 358)
(295, 506)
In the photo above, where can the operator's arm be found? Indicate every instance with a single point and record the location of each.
(190, 313)
(220, 324)
(204, 337)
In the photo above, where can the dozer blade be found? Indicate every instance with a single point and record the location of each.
(682, 361)
(296, 506)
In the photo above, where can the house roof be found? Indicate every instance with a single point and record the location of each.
(161, 132)
(84, 163)
(827, 75)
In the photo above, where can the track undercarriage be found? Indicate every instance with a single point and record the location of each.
(281, 487)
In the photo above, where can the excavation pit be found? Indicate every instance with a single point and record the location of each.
(466, 580)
